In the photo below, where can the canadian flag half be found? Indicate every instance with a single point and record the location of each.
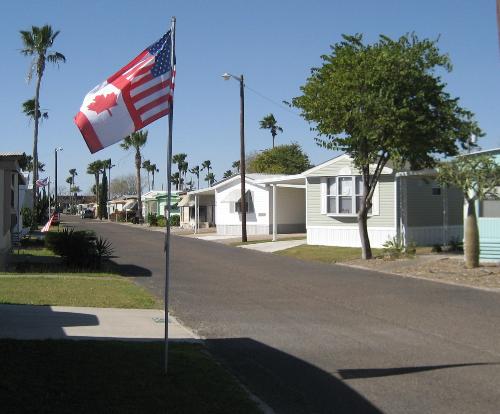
(136, 95)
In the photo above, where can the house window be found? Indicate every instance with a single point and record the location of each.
(237, 207)
(436, 190)
(344, 195)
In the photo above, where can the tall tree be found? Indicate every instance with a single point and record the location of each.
(95, 168)
(103, 196)
(384, 102)
(210, 178)
(207, 165)
(153, 170)
(37, 43)
(176, 179)
(179, 160)
(282, 159)
(227, 174)
(478, 176)
(136, 141)
(269, 122)
(196, 171)
(236, 166)
(146, 165)
(183, 171)
(29, 110)
(73, 173)
(69, 180)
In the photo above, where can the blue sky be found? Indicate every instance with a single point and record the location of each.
(273, 43)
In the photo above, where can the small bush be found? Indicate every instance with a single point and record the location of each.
(80, 249)
(175, 220)
(152, 219)
(395, 248)
(456, 245)
(436, 248)
(27, 217)
(161, 221)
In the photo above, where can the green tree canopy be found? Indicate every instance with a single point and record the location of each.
(282, 159)
(384, 102)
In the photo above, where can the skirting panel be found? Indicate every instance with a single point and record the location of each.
(348, 236)
(235, 229)
(427, 236)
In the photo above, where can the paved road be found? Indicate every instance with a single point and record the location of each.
(313, 338)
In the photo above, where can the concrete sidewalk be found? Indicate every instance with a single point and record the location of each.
(271, 247)
(64, 322)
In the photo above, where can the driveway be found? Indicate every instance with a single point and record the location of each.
(314, 338)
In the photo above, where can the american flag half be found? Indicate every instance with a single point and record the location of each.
(42, 183)
(46, 228)
(136, 95)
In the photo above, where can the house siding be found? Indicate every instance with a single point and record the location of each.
(385, 218)
(426, 210)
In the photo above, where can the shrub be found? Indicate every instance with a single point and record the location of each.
(79, 248)
(436, 248)
(161, 221)
(152, 219)
(456, 245)
(175, 220)
(27, 217)
(395, 248)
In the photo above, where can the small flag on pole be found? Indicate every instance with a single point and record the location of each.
(136, 95)
(42, 183)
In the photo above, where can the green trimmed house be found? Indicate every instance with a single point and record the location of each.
(155, 202)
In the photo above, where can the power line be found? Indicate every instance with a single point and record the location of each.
(280, 105)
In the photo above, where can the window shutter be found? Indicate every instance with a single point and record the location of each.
(323, 194)
(232, 207)
(376, 201)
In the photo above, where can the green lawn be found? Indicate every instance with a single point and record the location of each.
(93, 291)
(115, 377)
(325, 254)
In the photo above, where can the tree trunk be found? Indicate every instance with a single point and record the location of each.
(35, 146)
(153, 181)
(97, 193)
(138, 183)
(471, 242)
(366, 250)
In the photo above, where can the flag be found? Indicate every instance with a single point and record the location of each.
(42, 183)
(46, 228)
(136, 95)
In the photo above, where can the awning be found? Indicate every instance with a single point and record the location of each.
(186, 202)
(235, 196)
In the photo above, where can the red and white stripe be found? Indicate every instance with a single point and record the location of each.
(46, 228)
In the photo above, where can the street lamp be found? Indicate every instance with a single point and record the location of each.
(56, 150)
(243, 203)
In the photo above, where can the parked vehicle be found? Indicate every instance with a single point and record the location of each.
(87, 214)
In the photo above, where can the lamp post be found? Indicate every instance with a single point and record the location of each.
(243, 202)
(109, 183)
(56, 150)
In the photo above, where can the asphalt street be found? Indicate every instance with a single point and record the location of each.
(315, 338)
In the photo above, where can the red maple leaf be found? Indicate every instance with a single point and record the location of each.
(103, 103)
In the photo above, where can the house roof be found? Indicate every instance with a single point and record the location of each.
(338, 158)
(488, 151)
(11, 155)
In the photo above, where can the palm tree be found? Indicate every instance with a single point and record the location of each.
(94, 168)
(183, 170)
(175, 178)
(29, 110)
(37, 43)
(153, 170)
(269, 122)
(179, 159)
(207, 165)
(227, 174)
(196, 171)
(189, 185)
(210, 178)
(236, 166)
(73, 172)
(146, 164)
(136, 140)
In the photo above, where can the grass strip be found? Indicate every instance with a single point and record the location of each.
(325, 254)
(106, 292)
(115, 377)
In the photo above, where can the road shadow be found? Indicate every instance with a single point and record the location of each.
(387, 372)
(288, 384)
(127, 269)
(291, 385)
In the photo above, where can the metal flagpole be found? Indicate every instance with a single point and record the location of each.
(169, 187)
